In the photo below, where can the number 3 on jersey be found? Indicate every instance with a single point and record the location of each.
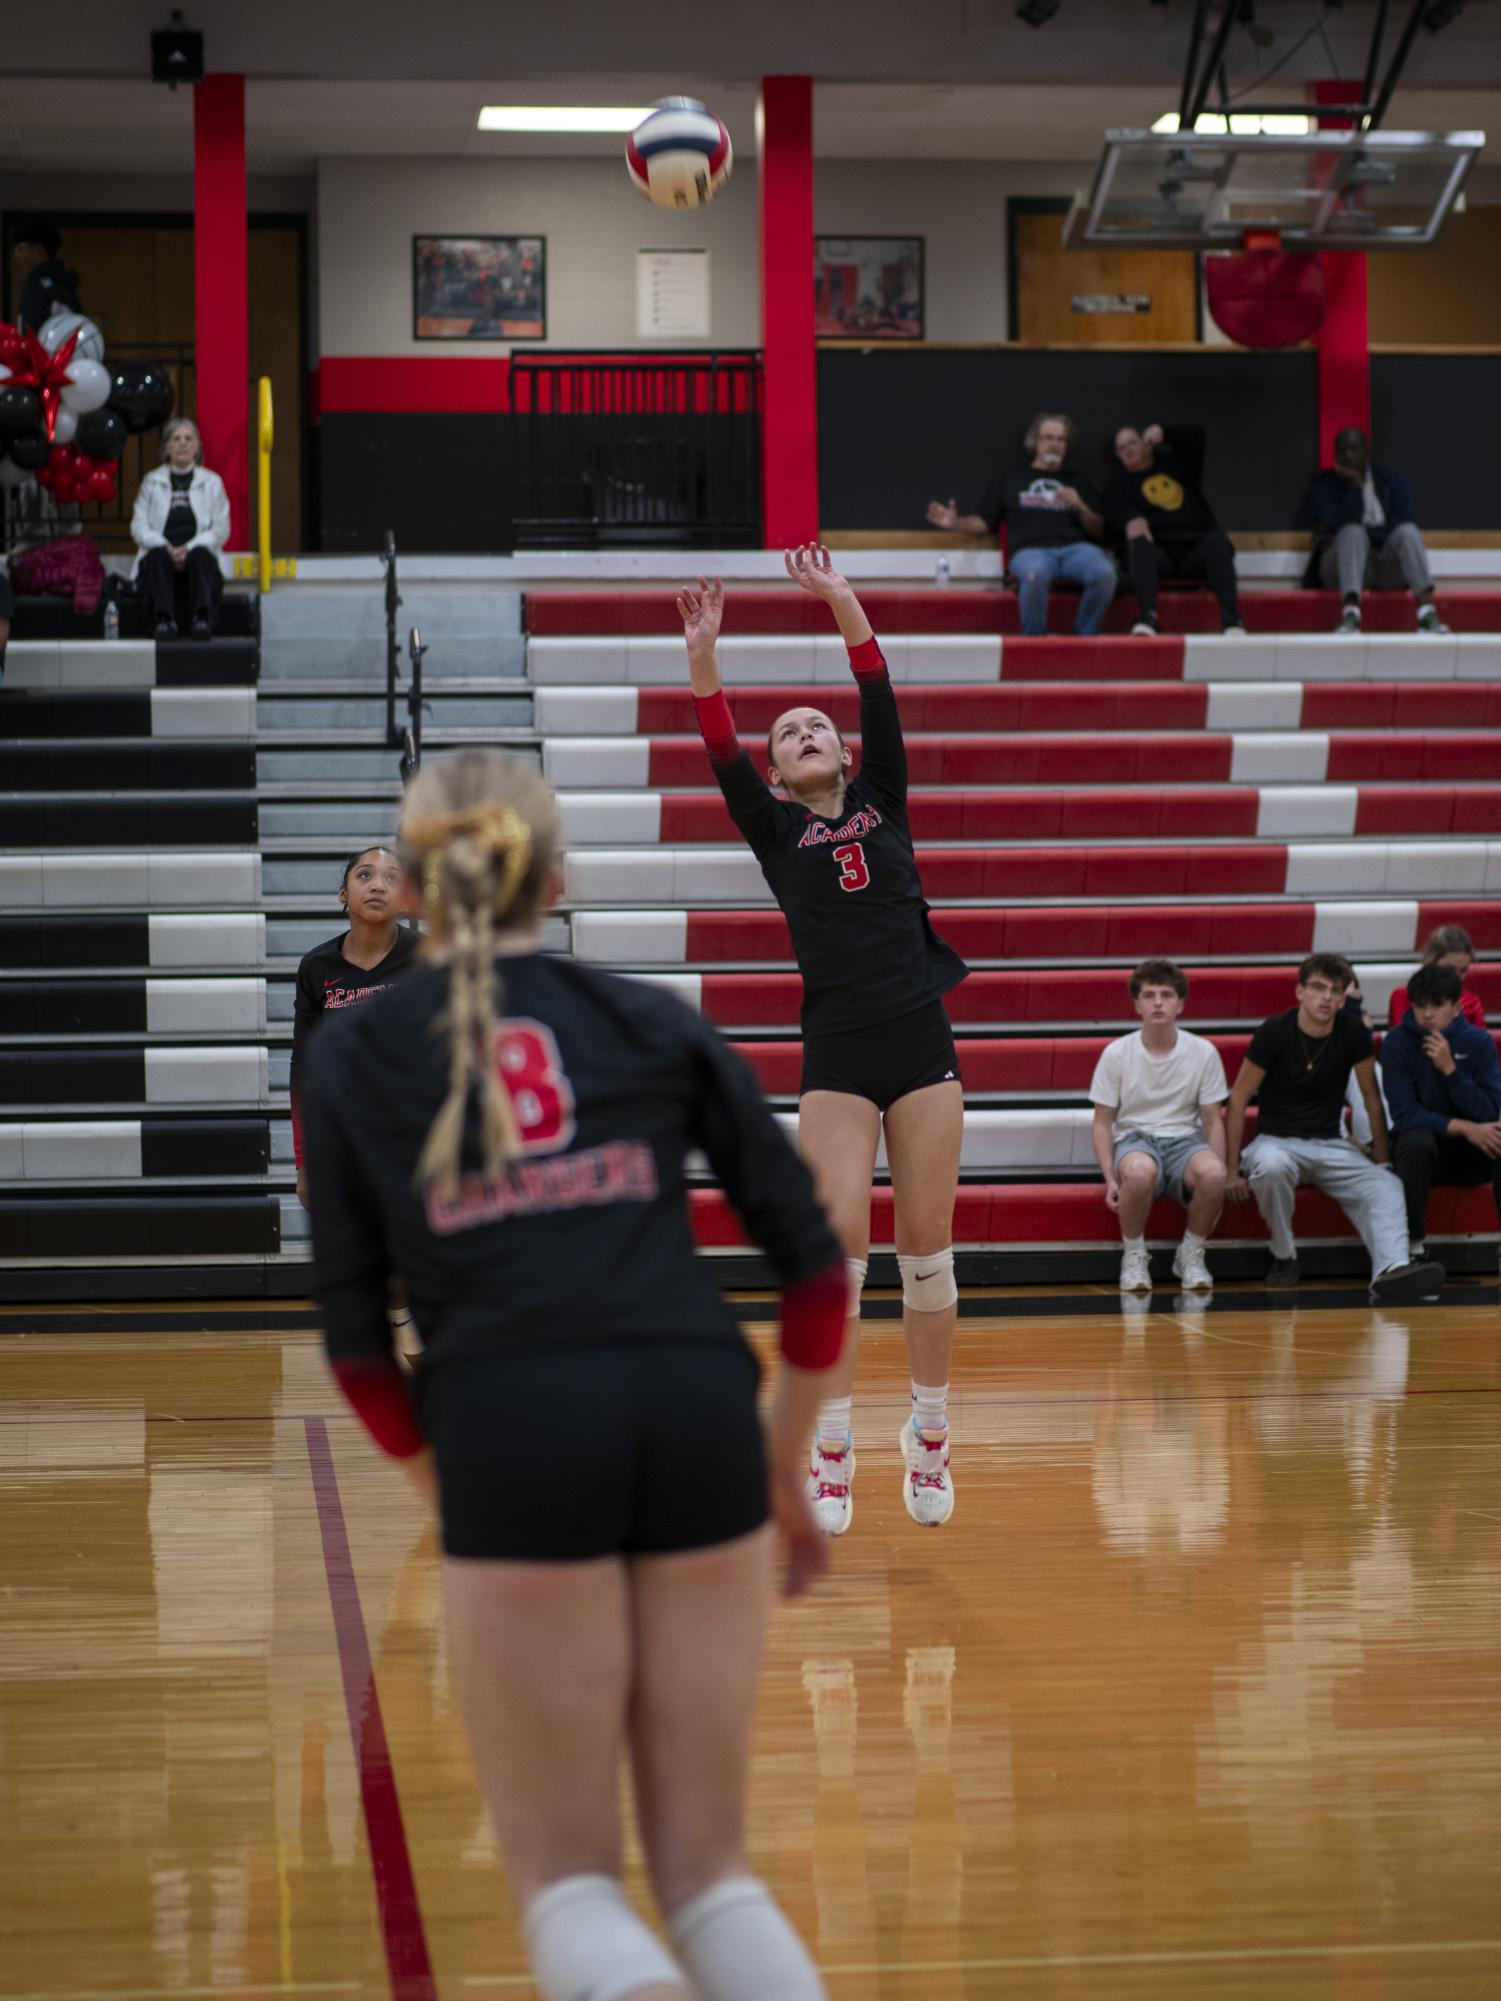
(541, 1096)
(853, 874)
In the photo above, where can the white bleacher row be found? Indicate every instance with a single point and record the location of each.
(1273, 757)
(139, 879)
(818, 659)
(721, 877)
(96, 667)
(200, 1007)
(217, 939)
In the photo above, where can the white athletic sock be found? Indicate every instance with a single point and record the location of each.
(1133, 1243)
(1193, 1243)
(930, 1405)
(834, 1421)
(737, 1946)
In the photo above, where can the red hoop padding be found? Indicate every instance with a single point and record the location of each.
(1265, 298)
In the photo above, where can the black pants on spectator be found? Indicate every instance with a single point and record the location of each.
(1210, 557)
(1422, 1158)
(198, 579)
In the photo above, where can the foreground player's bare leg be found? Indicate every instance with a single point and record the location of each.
(924, 1139)
(838, 1134)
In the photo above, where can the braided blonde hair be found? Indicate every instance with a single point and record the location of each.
(479, 831)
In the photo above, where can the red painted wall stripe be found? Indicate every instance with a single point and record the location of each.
(414, 382)
(789, 429)
(221, 306)
(1344, 340)
(390, 1859)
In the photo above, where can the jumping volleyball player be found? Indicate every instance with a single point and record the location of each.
(877, 1046)
(528, 1183)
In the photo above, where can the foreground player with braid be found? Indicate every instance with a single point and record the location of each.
(877, 1047)
(528, 1183)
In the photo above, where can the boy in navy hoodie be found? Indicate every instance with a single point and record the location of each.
(1443, 1088)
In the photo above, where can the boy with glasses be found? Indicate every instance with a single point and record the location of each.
(1443, 1084)
(1298, 1067)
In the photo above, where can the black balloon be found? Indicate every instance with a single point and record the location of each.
(31, 450)
(20, 410)
(101, 433)
(141, 393)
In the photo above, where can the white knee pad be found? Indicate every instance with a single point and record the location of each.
(737, 1946)
(928, 1283)
(587, 1944)
(855, 1270)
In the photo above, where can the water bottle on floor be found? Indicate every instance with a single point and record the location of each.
(941, 572)
(112, 620)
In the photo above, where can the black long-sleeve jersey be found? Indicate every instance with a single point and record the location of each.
(849, 889)
(327, 983)
(586, 1236)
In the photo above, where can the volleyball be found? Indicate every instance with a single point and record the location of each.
(679, 156)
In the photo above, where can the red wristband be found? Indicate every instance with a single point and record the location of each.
(716, 724)
(379, 1396)
(813, 1316)
(866, 659)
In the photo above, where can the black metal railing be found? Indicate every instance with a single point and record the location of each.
(393, 644)
(411, 754)
(31, 515)
(644, 450)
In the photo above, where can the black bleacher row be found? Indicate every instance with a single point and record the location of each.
(77, 820)
(150, 766)
(169, 1223)
(53, 617)
(79, 938)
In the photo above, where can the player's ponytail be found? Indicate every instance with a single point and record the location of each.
(479, 833)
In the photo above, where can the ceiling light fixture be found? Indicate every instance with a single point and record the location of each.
(1243, 124)
(562, 117)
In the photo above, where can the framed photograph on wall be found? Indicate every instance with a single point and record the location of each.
(868, 287)
(479, 288)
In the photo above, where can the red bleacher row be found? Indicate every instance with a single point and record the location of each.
(1125, 759)
(1111, 705)
(572, 613)
(1087, 994)
(1181, 812)
(1075, 1213)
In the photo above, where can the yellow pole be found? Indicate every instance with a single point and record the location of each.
(264, 432)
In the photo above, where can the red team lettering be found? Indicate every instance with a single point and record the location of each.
(819, 833)
(621, 1171)
(853, 874)
(541, 1096)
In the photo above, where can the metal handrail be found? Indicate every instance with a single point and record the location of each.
(411, 756)
(393, 645)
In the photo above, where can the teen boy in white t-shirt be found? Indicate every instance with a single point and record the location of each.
(1158, 1128)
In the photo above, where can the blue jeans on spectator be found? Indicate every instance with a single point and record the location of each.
(1082, 563)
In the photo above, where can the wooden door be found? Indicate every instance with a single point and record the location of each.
(1104, 296)
(276, 278)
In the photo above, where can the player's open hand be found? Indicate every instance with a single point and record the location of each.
(701, 611)
(811, 566)
(806, 1544)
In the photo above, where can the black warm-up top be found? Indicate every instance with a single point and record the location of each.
(849, 888)
(327, 983)
(586, 1238)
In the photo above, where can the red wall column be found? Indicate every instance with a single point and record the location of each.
(221, 318)
(789, 426)
(1343, 341)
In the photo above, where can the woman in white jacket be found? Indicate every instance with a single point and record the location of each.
(180, 523)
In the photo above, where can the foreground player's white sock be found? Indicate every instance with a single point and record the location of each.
(930, 1405)
(737, 1946)
(834, 1420)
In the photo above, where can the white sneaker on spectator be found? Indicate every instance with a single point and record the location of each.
(1232, 632)
(1136, 1272)
(1144, 628)
(1349, 619)
(1429, 620)
(1190, 1269)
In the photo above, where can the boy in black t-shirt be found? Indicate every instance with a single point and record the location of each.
(1298, 1067)
(1154, 503)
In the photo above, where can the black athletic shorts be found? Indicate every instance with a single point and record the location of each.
(884, 1063)
(561, 1454)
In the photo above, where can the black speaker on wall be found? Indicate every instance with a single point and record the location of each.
(176, 55)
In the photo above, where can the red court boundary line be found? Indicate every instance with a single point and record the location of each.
(390, 1858)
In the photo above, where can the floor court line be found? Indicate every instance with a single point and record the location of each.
(390, 1859)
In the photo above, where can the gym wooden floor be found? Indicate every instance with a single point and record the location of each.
(1200, 1694)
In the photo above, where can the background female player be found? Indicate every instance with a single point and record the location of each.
(877, 1045)
(528, 1184)
(348, 969)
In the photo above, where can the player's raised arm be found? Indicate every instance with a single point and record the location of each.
(812, 567)
(883, 756)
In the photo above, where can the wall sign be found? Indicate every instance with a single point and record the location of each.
(672, 295)
(1111, 302)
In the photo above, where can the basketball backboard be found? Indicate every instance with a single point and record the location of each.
(1320, 191)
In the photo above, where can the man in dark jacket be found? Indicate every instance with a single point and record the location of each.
(1364, 534)
(1443, 1087)
(39, 277)
(1155, 505)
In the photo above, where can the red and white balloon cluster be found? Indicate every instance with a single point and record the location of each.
(65, 414)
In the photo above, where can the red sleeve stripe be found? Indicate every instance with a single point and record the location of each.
(813, 1314)
(717, 727)
(866, 660)
(296, 1132)
(379, 1397)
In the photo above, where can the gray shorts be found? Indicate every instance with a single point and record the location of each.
(1172, 1153)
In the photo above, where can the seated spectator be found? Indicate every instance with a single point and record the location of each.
(1154, 504)
(1449, 945)
(40, 281)
(1443, 1084)
(1053, 525)
(1157, 1126)
(1364, 536)
(1298, 1066)
(180, 524)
